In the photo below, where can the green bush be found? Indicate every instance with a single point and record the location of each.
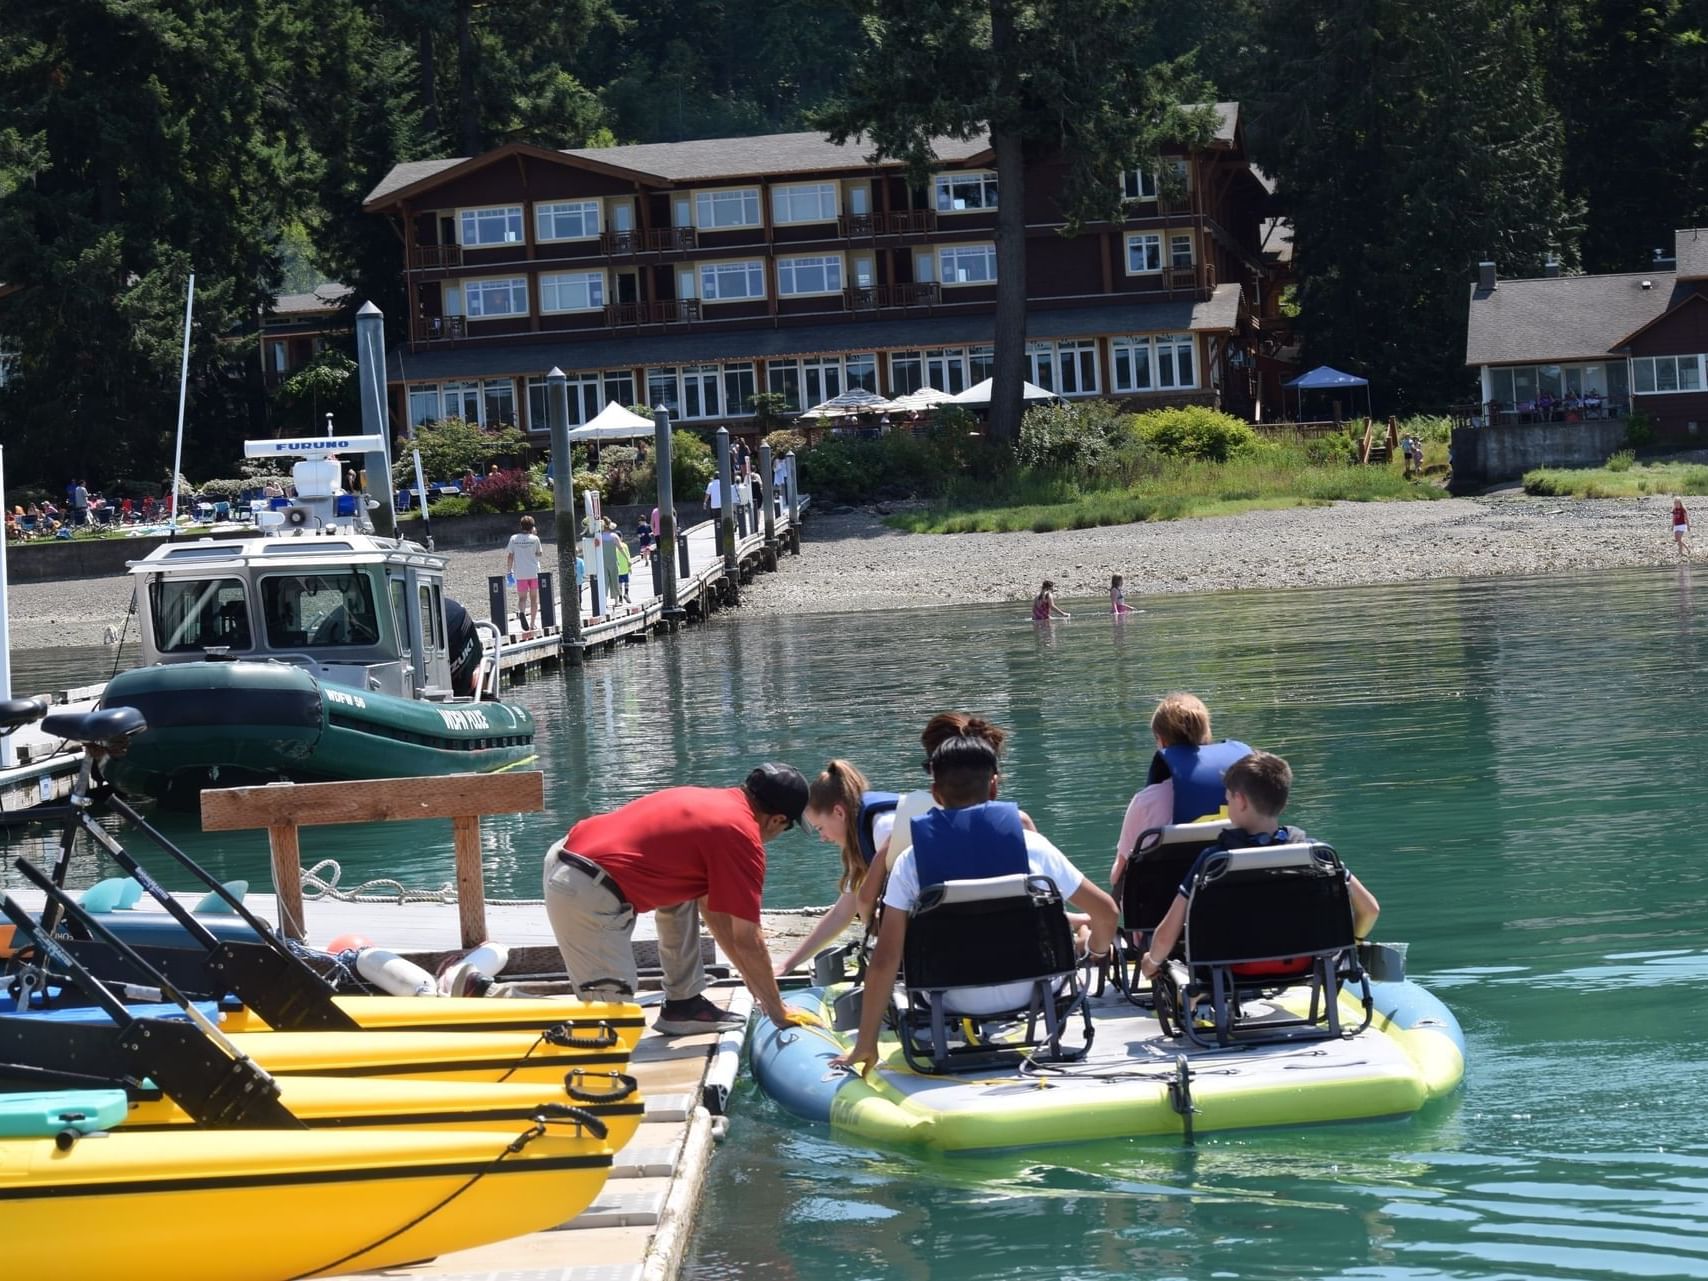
(618, 465)
(1336, 448)
(1427, 427)
(1076, 435)
(1639, 430)
(225, 489)
(1621, 461)
(784, 440)
(586, 480)
(692, 465)
(1695, 480)
(1194, 431)
(453, 446)
(453, 506)
(1541, 484)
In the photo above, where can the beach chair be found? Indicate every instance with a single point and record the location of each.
(1159, 862)
(1259, 921)
(990, 976)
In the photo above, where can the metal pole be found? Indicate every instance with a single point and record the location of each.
(370, 363)
(726, 512)
(183, 388)
(8, 756)
(563, 504)
(765, 496)
(666, 549)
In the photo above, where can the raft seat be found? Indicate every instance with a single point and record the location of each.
(1257, 921)
(1159, 862)
(966, 941)
(15, 713)
(104, 727)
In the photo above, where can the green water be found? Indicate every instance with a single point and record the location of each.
(1511, 766)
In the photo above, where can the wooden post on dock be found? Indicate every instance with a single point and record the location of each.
(283, 808)
(563, 506)
(726, 517)
(793, 480)
(666, 534)
(766, 486)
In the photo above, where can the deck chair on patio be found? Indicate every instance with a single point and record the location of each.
(990, 976)
(1159, 862)
(1259, 921)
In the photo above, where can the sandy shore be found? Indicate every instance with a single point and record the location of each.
(874, 567)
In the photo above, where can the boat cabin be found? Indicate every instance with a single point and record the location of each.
(357, 611)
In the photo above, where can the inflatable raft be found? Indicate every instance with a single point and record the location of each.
(1133, 1082)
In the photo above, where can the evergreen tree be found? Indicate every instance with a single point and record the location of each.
(1067, 77)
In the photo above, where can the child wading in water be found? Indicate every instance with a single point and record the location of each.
(1680, 525)
(1044, 604)
(1118, 597)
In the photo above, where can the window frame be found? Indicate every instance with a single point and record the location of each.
(1134, 238)
(944, 255)
(554, 278)
(1175, 240)
(943, 185)
(822, 262)
(546, 208)
(751, 268)
(511, 282)
(474, 212)
(713, 196)
(786, 191)
(1678, 362)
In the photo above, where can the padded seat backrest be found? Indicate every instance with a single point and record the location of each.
(1004, 929)
(1268, 903)
(1160, 860)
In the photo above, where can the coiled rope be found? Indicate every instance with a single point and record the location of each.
(321, 882)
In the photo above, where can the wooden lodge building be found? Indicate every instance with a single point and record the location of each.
(695, 274)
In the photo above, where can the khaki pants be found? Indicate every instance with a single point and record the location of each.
(595, 933)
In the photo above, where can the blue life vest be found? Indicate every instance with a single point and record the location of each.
(873, 804)
(1197, 774)
(969, 844)
(1236, 839)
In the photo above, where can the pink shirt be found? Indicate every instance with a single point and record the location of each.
(1152, 806)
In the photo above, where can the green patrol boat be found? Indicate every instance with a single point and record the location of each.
(315, 652)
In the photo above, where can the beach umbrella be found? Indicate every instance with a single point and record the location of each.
(614, 423)
(924, 398)
(979, 394)
(856, 400)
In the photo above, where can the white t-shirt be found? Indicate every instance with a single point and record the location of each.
(714, 493)
(907, 809)
(882, 825)
(1044, 859)
(526, 550)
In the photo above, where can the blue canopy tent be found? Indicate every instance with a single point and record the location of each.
(1322, 378)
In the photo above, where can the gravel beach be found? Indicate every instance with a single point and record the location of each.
(875, 567)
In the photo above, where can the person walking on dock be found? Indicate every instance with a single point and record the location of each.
(665, 853)
(522, 566)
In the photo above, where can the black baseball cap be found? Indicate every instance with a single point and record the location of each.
(780, 789)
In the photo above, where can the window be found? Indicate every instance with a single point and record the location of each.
(567, 220)
(727, 281)
(1132, 358)
(1069, 368)
(487, 404)
(1041, 356)
(946, 369)
(961, 192)
(738, 207)
(319, 609)
(588, 394)
(572, 291)
(431, 632)
(1174, 361)
(739, 389)
(489, 298)
(1180, 251)
(1147, 364)
(1651, 374)
(700, 391)
(809, 202)
(862, 371)
(1144, 253)
(784, 378)
(822, 275)
(981, 364)
(967, 264)
(663, 388)
(1138, 184)
(619, 387)
(821, 379)
(198, 614)
(501, 226)
(498, 402)
(907, 372)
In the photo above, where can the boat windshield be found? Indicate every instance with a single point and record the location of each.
(199, 613)
(306, 611)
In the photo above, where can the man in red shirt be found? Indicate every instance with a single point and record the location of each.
(667, 853)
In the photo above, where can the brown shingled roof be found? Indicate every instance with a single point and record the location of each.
(1690, 247)
(1561, 317)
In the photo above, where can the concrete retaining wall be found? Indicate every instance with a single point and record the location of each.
(1483, 455)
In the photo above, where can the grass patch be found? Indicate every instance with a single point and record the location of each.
(1620, 478)
(1268, 477)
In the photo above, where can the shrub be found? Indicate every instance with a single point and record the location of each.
(1336, 448)
(691, 465)
(228, 489)
(1639, 430)
(1427, 427)
(1621, 461)
(1078, 435)
(453, 506)
(585, 480)
(1194, 431)
(784, 440)
(617, 473)
(508, 491)
(1540, 484)
(453, 446)
(1694, 480)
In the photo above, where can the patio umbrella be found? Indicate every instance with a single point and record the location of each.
(979, 394)
(924, 398)
(614, 423)
(856, 400)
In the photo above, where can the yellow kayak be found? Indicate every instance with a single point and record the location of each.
(470, 1014)
(516, 1057)
(341, 1103)
(269, 1205)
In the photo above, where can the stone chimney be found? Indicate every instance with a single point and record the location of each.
(1486, 276)
(1551, 267)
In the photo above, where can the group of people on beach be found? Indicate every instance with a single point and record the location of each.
(687, 853)
(1045, 609)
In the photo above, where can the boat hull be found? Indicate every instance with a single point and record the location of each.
(230, 723)
(1413, 1052)
(193, 1205)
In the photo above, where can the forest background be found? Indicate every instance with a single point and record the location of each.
(141, 139)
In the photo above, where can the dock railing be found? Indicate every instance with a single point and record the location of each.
(283, 808)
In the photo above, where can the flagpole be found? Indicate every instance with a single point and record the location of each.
(183, 387)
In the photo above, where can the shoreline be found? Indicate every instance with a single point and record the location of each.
(874, 567)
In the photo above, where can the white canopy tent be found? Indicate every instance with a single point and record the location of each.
(613, 423)
(979, 393)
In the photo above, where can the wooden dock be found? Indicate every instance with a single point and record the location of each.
(45, 768)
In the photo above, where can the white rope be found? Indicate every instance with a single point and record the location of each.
(321, 882)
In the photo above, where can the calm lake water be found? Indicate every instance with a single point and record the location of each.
(1512, 766)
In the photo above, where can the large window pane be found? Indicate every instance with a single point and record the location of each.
(863, 371)
(491, 226)
(907, 372)
(304, 611)
(661, 389)
(784, 377)
(737, 208)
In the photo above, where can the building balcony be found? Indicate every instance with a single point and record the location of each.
(440, 328)
(885, 297)
(904, 222)
(657, 240)
(435, 257)
(678, 312)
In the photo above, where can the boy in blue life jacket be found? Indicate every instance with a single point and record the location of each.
(1258, 786)
(971, 836)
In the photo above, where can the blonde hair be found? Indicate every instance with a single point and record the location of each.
(1181, 720)
(842, 784)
